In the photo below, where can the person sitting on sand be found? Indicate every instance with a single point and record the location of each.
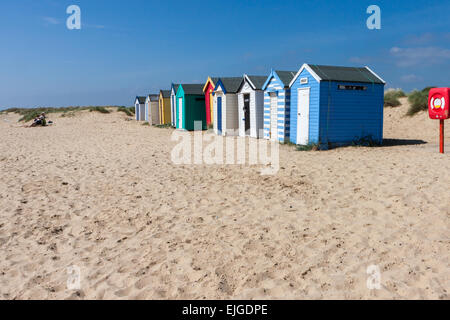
(39, 121)
(36, 122)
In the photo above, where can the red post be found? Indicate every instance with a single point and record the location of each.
(441, 136)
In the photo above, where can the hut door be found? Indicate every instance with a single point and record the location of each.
(247, 113)
(173, 115)
(219, 114)
(273, 116)
(161, 115)
(142, 113)
(136, 111)
(303, 116)
(180, 113)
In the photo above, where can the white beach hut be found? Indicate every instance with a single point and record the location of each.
(226, 115)
(251, 106)
(173, 104)
(139, 108)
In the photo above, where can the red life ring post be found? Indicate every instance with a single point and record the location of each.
(438, 108)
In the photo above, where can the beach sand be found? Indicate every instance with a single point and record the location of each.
(101, 193)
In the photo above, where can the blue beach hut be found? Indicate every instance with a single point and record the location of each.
(336, 105)
(277, 105)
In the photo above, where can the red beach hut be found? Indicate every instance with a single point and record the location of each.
(208, 90)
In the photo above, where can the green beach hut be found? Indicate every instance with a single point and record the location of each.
(190, 102)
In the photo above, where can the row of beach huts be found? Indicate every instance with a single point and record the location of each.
(317, 104)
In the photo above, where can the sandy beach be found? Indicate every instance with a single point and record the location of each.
(101, 193)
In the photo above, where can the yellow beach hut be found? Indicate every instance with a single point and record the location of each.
(164, 107)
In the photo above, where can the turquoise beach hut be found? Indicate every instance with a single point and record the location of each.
(190, 103)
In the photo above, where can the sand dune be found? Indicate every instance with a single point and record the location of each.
(101, 193)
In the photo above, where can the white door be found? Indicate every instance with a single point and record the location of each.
(273, 116)
(303, 116)
(180, 111)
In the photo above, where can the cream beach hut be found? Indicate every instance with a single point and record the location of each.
(226, 115)
(152, 107)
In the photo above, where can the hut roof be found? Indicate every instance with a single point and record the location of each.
(140, 99)
(165, 93)
(175, 86)
(335, 73)
(210, 79)
(193, 89)
(231, 84)
(348, 74)
(286, 76)
(257, 81)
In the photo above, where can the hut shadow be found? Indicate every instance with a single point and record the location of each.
(401, 142)
(370, 144)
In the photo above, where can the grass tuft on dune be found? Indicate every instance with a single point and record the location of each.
(418, 101)
(162, 126)
(128, 111)
(99, 109)
(28, 114)
(391, 97)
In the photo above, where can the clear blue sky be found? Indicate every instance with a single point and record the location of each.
(134, 47)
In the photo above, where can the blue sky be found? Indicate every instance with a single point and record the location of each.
(134, 47)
